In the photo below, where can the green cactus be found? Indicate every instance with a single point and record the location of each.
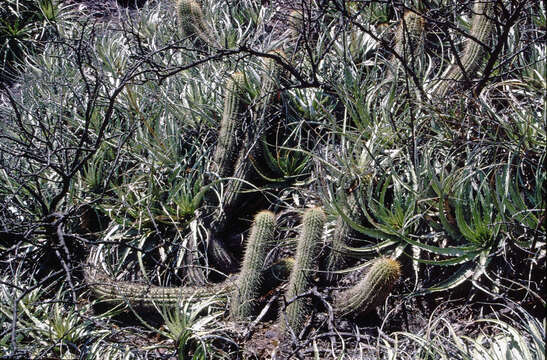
(249, 281)
(229, 137)
(147, 297)
(471, 58)
(249, 151)
(409, 39)
(371, 291)
(276, 274)
(191, 21)
(309, 243)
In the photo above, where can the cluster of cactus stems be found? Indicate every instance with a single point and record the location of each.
(470, 60)
(231, 158)
(146, 297)
(244, 147)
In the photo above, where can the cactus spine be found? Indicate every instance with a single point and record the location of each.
(472, 55)
(249, 281)
(372, 290)
(304, 267)
(191, 21)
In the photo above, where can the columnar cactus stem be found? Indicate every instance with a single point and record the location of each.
(230, 137)
(249, 151)
(409, 38)
(471, 58)
(191, 21)
(371, 291)
(305, 266)
(148, 297)
(250, 279)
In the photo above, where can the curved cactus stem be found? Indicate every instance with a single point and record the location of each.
(191, 21)
(149, 297)
(260, 243)
(371, 291)
(471, 58)
(300, 281)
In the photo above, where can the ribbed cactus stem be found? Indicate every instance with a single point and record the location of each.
(409, 34)
(250, 149)
(371, 291)
(305, 266)
(259, 244)
(230, 137)
(271, 79)
(191, 21)
(296, 24)
(472, 56)
(409, 39)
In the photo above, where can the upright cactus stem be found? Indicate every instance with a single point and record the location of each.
(409, 39)
(304, 268)
(250, 279)
(371, 291)
(191, 21)
(230, 136)
(409, 34)
(470, 60)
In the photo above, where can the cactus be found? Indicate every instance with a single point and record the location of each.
(296, 25)
(472, 55)
(409, 39)
(229, 137)
(250, 150)
(249, 281)
(147, 297)
(371, 291)
(300, 280)
(276, 274)
(191, 21)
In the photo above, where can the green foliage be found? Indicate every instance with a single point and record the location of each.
(25, 26)
(189, 324)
